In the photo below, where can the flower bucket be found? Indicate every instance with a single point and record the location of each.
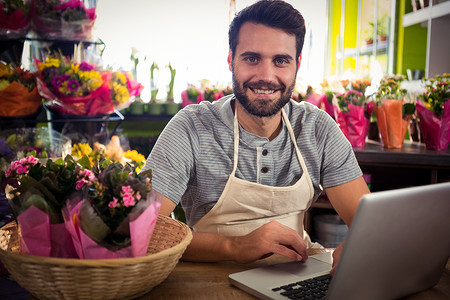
(435, 130)
(357, 125)
(391, 124)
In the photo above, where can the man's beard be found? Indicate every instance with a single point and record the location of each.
(262, 107)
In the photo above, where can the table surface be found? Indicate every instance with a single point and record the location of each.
(210, 281)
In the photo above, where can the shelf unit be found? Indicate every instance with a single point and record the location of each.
(436, 18)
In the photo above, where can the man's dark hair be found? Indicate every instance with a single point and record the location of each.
(272, 13)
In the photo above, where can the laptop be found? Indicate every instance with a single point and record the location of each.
(398, 244)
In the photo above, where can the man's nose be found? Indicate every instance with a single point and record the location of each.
(266, 71)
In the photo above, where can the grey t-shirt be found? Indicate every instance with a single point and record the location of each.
(193, 157)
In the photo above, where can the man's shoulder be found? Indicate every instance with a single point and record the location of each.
(304, 110)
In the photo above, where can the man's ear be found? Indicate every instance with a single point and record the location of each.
(229, 59)
(299, 61)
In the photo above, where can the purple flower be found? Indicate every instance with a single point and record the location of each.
(58, 80)
(84, 66)
(72, 85)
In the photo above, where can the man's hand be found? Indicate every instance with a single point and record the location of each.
(268, 239)
(336, 255)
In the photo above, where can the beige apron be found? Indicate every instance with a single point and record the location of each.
(244, 206)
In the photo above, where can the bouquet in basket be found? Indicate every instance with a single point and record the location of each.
(354, 112)
(14, 20)
(392, 111)
(18, 93)
(62, 19)
(37, 192)
(433, 109)
(115, 214)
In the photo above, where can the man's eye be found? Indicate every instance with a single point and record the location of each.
(251, 59)
(281, 61)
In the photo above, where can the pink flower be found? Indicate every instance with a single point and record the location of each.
(127, 189)
(80, 183)
(114, 203)
(128, 200)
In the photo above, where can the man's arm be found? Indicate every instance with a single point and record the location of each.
(345, 200)
(270, 238)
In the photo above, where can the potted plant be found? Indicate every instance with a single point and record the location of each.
(171, 107)
(433, 109)
(155, 107)
(392, 111)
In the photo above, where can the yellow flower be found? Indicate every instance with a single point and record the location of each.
(4, 84)
(120, 77)
(49, 62)
(81, 149)
(4, 70)
(134, 156)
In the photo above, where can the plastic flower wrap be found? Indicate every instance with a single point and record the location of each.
(14, 21)
(18, 93)
(74, 88)
(354, 113)
(37, 192)
(40, 142)
(60, 19)
(389, 109)
(116, 215)
(434, 112)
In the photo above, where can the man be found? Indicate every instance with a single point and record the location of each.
(246, 167)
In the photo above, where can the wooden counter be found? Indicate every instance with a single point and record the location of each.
(209, 281)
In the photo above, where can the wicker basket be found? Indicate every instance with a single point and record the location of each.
(124, 278)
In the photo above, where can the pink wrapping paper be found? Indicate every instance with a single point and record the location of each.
(185, 100)
(41, 238)
(141, 230)
(435, 130)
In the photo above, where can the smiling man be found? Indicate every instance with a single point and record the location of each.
(247, 167)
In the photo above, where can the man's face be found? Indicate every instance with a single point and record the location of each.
(264, 69)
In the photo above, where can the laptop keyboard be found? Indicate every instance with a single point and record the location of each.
(313, 288)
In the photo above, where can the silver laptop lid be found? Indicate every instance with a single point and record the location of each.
(398, 244)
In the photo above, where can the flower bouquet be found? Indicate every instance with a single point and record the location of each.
(123, 89)
(18, 93)
(116, 213)
(391, 112)
(62, 19)
(37, 192)
(14, 22)
(74, 88)
(433, 109)
(353, 116)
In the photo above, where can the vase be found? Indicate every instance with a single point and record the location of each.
(172, 108)
(155, 108)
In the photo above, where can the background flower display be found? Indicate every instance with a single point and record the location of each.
(59, 19)
(391, 112)
(433, 108)
(14, 21)
(18, 93)
(192, 95)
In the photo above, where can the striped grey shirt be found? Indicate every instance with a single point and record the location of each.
(193, 157)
